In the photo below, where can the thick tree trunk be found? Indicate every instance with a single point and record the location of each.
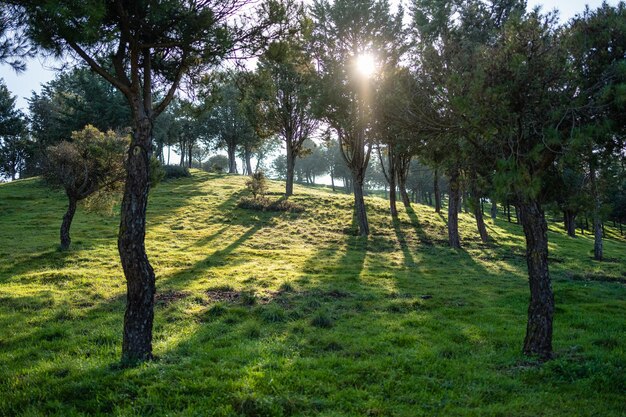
(67, 223)
(291, 163)
(436, 191)
(569, 218)
(359, 205)
(538, 339)
(453, 209)
(140, 280)
(232, 159)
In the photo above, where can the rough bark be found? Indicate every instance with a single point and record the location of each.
(538, 339)
(569, 218)
(436, 191)
(140, 280)
(67, 223)
(453, 209)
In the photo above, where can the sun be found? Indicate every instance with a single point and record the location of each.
(365, 64)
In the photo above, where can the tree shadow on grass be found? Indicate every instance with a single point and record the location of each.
(419, 231)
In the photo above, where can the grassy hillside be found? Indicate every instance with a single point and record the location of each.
(277, 314)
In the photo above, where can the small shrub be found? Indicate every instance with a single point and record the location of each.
(216, 163)
(265, 204)
(175, 171)
(257, 184)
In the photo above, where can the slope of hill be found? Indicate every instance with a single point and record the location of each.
(276, 314)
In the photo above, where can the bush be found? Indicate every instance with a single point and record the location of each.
(216, 163)
(257, 184)
(175, 171)
(265, 204)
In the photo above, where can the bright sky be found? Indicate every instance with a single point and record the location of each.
(40, 71)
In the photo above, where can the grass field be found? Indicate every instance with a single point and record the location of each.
(281, 314)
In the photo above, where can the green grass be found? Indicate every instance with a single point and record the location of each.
(279, 314)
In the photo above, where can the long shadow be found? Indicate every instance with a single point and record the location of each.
(217, 258)
(419, 231)
(401, 236)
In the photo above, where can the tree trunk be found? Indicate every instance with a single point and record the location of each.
(359, 205)
(453, 210)
(140, 280)
(494, 209)
(248, 158)
(569, 218)
(332, 180)
(291, 162)
(391, 178)
(403, 194)
(538, 339)
(597, 221)
(190, 157)
(232, 159)
(67, 223)
(436, 191)
(182, 153)
(480, 221)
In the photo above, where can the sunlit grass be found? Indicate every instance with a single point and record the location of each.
(263, 313)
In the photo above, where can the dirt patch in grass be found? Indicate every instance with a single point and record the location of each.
(168, 297)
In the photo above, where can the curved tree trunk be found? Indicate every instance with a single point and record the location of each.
(67, 223)
(140, 280)
(538, 339)
(453, 209)
(436, 191)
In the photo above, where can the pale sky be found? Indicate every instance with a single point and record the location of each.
(40, 71)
